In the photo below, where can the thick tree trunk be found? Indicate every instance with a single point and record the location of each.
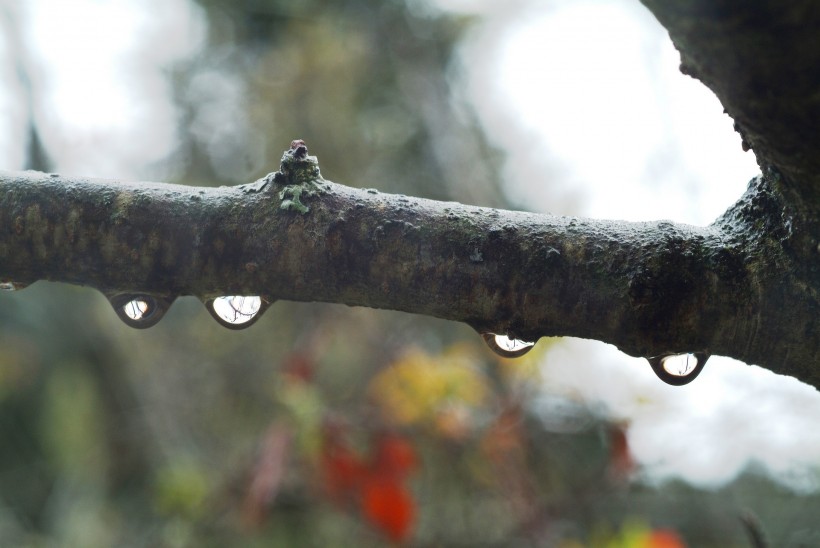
(746, 286)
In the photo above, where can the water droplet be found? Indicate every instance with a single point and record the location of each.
(7, 286)
(506, 347)
(678, 369)
(136, 309)
(139, 310)
(237, 311)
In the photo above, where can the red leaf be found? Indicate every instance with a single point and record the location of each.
(342, 469)
(388, 505)
(394, 456)
(664, 538)
(298, 368)
(378, 483)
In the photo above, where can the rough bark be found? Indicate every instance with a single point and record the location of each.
(746, 286)
(762, 60)
(650, 288)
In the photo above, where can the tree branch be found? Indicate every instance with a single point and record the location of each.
(649, 288)
(747, 286)
(762, 60)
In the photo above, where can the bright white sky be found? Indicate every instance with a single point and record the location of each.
(107, 106)
(611, 128)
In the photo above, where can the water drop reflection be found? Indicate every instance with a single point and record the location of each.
(678, 369)
(505, 346)
(136, 309)
(236, 311)
(139, 310)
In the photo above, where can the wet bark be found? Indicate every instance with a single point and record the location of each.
(762, 60)
(650, 288)
(746, 286)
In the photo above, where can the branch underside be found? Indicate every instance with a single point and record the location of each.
(649, 288)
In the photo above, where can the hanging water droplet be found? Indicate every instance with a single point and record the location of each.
(506, 347)
(7, 286)
(237, 311)
(678, 369)
(136, 309)
(680, 365)
(139, 310)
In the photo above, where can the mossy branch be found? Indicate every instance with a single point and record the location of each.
(649, 288)
(746, 286)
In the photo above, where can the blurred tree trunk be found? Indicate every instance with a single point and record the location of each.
(746, 286)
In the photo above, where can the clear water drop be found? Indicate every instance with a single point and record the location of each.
(680, 365)
(136, 309)
(237, 311)
(678, 369)
(505, 346)
(139, 310)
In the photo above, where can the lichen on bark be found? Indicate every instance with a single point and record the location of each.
(300, 176)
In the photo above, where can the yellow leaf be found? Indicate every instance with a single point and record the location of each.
(421, 389)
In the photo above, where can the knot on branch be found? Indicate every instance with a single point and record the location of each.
(300, 175)
(296, 167)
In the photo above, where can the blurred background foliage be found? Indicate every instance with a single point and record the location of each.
(322, 425)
